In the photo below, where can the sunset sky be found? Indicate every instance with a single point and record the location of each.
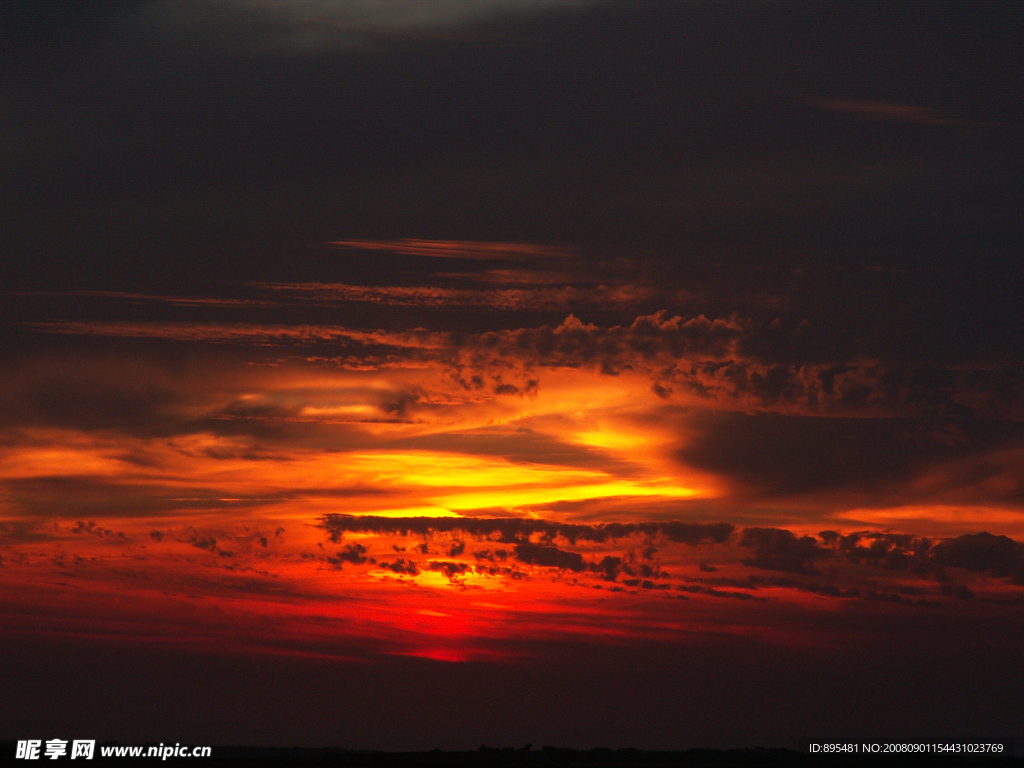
(412, 374)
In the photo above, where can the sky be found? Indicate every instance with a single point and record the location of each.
(413, 374)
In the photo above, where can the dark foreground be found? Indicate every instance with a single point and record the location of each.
(548, 757)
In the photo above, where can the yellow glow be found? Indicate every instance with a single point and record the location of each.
(611, 438)
(338, 411)
(514, 497)
(411, 512)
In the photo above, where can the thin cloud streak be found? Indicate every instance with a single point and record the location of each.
(462, 249)
(900, 113)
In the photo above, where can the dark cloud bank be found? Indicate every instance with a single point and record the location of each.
(772, 549)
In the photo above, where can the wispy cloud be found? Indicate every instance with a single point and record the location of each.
(461, 249)
(501, 299)
(897, 112)
(391, 14)
(181, 301)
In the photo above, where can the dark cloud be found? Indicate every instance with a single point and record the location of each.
(96, 530)
(486, 554)
(519, 530)
(448, 568)
(778, 455)
(75, 496)
(896, 552)
(609, 567)
(960, 591)
(731, 362)
(463, 249)
(352, 553)
(23, 532)
(712, 592)
(100, 497)
(207, 542)
(781, 550)
(402, 566)
(883, 110)
(91, 393)
(574, 343)
(776, 549)
(567, 127)
(551, 557)
(999, 555)
(457, 548)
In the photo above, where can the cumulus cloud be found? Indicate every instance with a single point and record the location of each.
(352, 553)
(609, 567)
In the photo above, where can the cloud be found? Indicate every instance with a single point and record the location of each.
(609, 567)
(390, 14)
(252, 333)
(546, 299)
(457, 548)
(198, 540)
(99, 531)
(458, 392)
(135, 298)
(448, 568)
(486, 554)
(712, 592)
(777, 549)
(781, 550)
(352, 553)
(24, 532)
(293, 27)
(519, 530)
(551, 557)
(728, 363)
(402, 566)
(999, 555)
(896, 112)
(462, 249)
(127, 497)
(772, 455)
(647, 338)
